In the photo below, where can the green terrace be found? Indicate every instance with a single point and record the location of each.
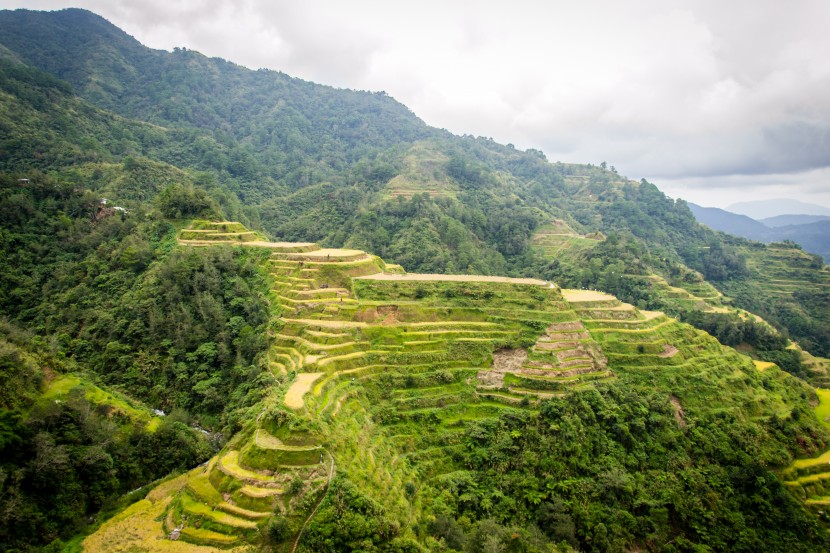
(380, 373)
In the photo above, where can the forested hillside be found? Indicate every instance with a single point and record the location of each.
(303, 161)
(113, 307)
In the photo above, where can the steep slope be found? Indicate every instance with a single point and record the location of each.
(367, 357)
(71, 447)
(732, 223)
(405, 410)
(290, 130)
(417, 196)
(788, 287)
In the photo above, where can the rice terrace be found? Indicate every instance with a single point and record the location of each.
(365, 356)
(242, 311)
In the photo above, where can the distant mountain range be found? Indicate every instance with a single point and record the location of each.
(785, 220)
(811, 232)
(764, 209)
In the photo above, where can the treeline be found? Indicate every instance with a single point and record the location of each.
(105, 291)
(177, 328)
(608, 469)
(65, 460)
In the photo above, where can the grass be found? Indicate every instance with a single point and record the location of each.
(763, 365)
(823, 459)
(299, 388)
(61, 387)
(201, 487)
(270, 459)
(822, 410)
(586, 296)
(195, 507)
(255, 491)
(138, 528)
(201, 535)
(244, 513)
(420, 277)
(229, 463)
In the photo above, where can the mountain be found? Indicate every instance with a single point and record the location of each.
(274, 152)
(808, 231)
(379, 335)
(731, 223)
(763, 209)
(786, 220)
(274, 132)
(813, 237)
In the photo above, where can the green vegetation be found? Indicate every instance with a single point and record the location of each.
(74, 451)
(551, 416)
(349, 404)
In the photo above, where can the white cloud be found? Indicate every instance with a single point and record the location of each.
(662, 90)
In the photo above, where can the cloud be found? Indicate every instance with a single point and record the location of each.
(721, 191)
(661, 90)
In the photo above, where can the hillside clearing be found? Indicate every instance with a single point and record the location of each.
(300, 387)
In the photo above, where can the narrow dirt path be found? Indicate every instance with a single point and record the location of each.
(332, 468)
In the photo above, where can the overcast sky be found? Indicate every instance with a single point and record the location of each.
(714, 101)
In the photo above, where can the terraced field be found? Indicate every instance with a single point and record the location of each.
(423, 173)
(380, 373)
(695, 295)
(809, 479)
(558, 241)
(818, 368)
(557, 238)
(787, 270)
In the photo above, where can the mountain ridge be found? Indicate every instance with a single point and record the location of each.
(812, 234)
(760, 209)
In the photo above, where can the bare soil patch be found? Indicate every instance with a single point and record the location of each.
(504, 360)
(679, 416)
(668, 351)
(570, 325)
(509, 359)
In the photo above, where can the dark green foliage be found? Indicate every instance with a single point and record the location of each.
(604, 470)
(65, 461)
(448, 530)
(178, 329)
(349, 521)
(278, 530)
(101, 289)
(20, 371)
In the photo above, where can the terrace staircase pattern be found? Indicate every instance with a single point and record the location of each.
(390, 370)
(809, 479)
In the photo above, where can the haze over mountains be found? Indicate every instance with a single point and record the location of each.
(764, 209)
